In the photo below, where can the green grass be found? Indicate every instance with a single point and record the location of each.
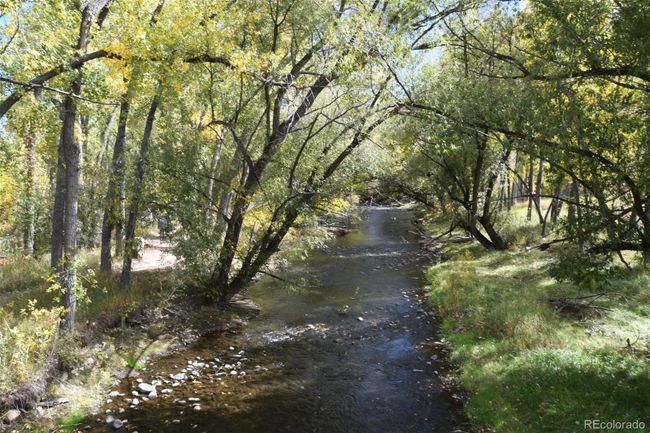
(529, 369)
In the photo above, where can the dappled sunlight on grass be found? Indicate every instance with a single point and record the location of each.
(528, 367)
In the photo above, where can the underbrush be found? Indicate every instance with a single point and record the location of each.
(27, 343)
(117, 329)
(530, 368)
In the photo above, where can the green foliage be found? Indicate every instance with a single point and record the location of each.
(588, 272)
(26, 345)
(527, 368)
(133, 362)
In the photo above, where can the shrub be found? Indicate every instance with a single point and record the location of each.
(26, 344)
(588, 272)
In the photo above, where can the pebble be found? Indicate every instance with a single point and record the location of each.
(135, 402)
(146, 388)
(117, 424)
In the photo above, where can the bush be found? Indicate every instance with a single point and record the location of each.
(26, 344)
(588, 272)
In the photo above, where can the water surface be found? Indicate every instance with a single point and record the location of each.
(345, 353)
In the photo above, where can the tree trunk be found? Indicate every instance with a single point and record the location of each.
(30, 191)
(70, 149)
(113, 196)
(216, 156)
(538, 190)
(529, 213)
(218, 286)
(58, 208)
(99, 167)
(130, 249)
(71, 163)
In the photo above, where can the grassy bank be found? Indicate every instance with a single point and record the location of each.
(529, 367)
(118, 329)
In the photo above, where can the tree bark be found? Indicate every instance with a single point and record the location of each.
(538, 190)
(58, 207)
(99, 166)
(113, 195)
(71, 151)
(216, 157)
(529, 212)
(30, 190)
(130, 249)
(71, 164)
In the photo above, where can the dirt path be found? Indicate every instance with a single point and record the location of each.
(157, 255)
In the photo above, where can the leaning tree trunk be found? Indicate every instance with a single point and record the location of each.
(113, 196)
(218, 285)
(130, 249)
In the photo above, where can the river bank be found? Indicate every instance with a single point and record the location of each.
(529, 362)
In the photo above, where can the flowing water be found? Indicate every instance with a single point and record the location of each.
(349, 352)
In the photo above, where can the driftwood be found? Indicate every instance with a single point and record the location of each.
(579, 307)
(52, 403)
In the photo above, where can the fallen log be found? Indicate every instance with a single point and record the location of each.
(578, 306)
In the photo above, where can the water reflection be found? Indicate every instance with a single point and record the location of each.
(341, 356)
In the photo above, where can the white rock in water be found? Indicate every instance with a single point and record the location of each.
(12, 415)
(166, 391)
(233, 373)
(114, 394)
(197, 408)
(360, 319)
(153, 394)
(117, 424)
(178, 376)
(109, 419)
(231, 348)
(193, 399)
(146, 388)
(135, 402)
(139, 380)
